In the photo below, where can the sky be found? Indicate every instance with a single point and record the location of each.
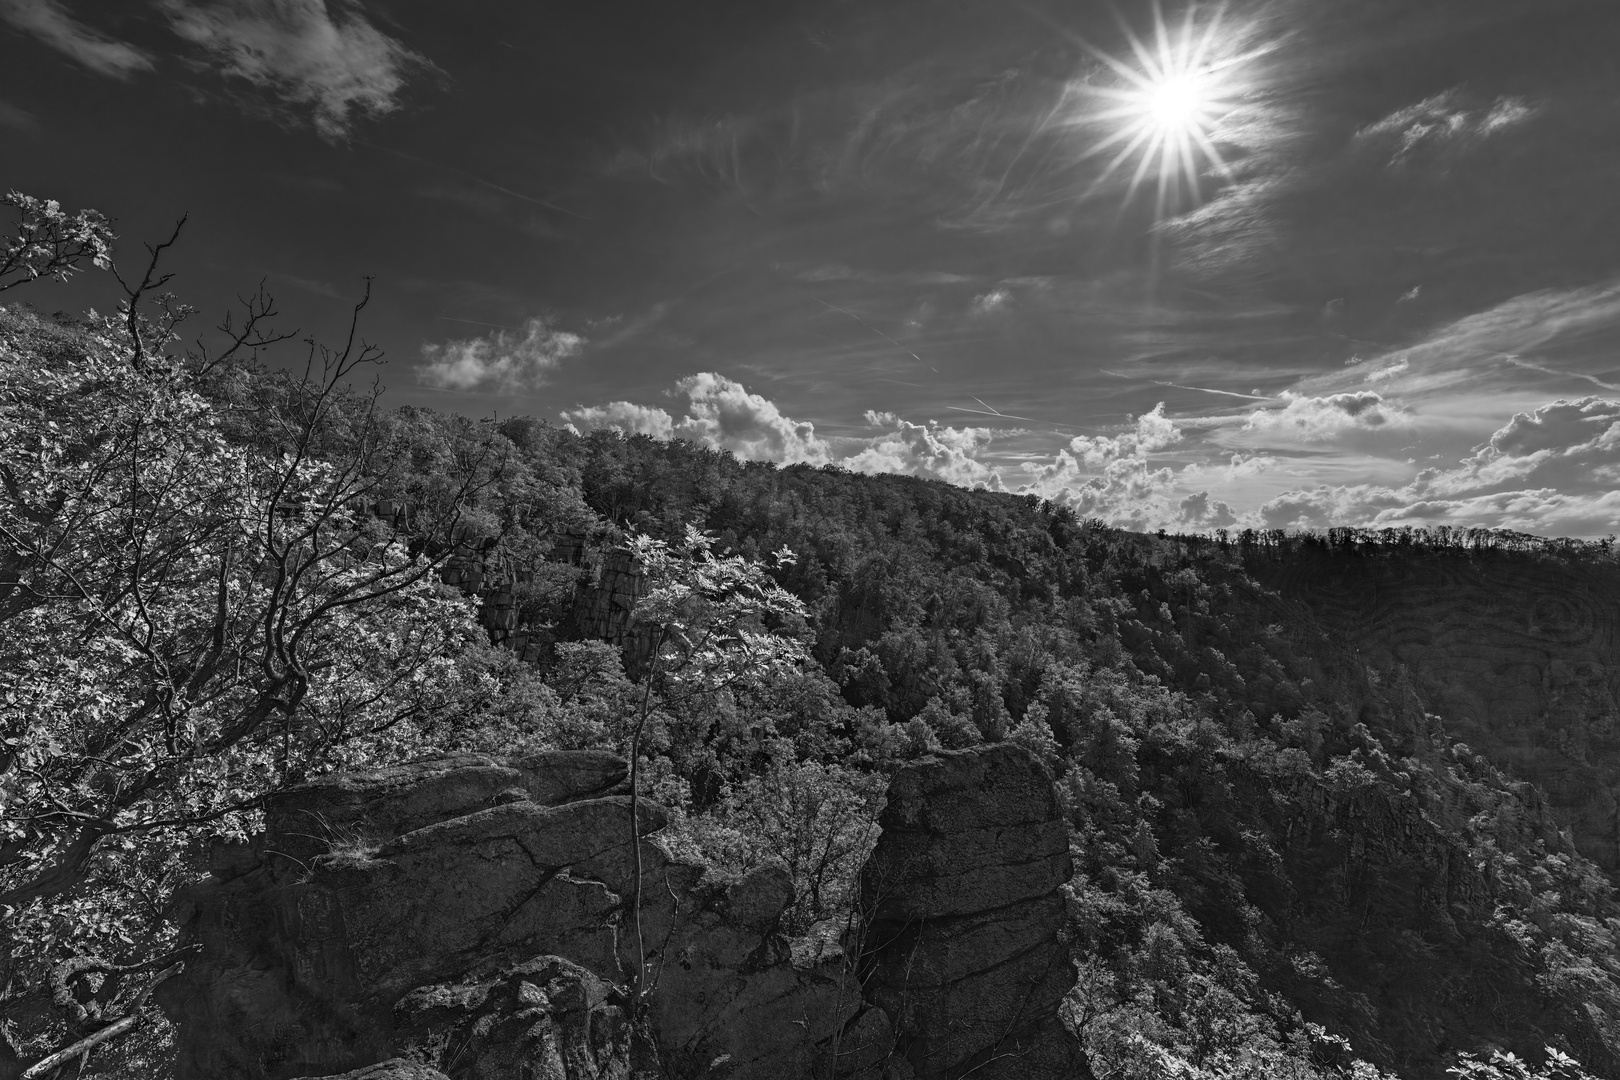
(1277, 263)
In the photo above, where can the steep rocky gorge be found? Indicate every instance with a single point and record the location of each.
(470, 917)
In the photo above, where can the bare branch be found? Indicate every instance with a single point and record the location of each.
(46, 1065)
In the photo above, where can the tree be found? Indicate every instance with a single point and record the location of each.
(50, 243)
(1502, 1065)
(819, 819)
(186, 623)
(716, 623)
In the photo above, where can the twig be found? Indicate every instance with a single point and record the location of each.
(49, 1064)
(635, 821)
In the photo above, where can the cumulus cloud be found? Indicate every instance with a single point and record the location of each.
(1120, 477)
(51, 22)
(722, 413)
(507, 360)
(622, 416)
(1199, 511)
(1150, 432)
(1552, 469)
(1567, 428)
(307, 52)
(1110, 477)
(1123, 479)
(1307, 418)
(933, 449)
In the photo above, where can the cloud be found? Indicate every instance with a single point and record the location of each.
(1439, 125)
(991, 302)
(936, 450)
(17, 119)
(1110, 477)
(1391, 371)
(1199, 511)
(722, 413)
(1151, 431)
(1129, 478)
(1552, 469)
(1318, 419)
(307, 52)
(1563, 427)
(508, 360)
(50, 21)
(622, 416)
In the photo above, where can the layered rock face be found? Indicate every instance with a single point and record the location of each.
(470, 914)
(962, 945)
(1520, 654)
(470, 917)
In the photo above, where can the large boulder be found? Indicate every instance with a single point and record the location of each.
(477, 918)
(392, 1069)
(964, 918)
(474, 915)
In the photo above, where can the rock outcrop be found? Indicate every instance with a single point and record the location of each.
(470, 913)
(962, 947)
(470, 917)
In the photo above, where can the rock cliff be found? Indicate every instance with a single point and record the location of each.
(962, 945)
(468, 917)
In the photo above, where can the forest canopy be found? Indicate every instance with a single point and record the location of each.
(224, 571)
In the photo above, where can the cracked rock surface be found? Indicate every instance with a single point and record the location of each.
(467, 918)
(962, 947)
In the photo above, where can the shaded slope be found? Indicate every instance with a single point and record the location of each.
(1518, 652)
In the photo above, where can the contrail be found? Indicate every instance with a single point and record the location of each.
(477, 322)
(1200, 389)
(475, 179)
(869, 326)
(1208, 390)
(1593, 379)
(1006, 416)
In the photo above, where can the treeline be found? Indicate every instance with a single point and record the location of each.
(1437, 539)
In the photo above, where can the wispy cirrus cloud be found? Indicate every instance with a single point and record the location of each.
(507, 360)
(326, 58)
(1445, 124)
(17, 119)
(53, 23)
(1551, 469)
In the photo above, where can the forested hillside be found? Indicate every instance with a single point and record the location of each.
(218, 579)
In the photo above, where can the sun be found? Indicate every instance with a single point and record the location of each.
(1167, 104)
(1177, 104)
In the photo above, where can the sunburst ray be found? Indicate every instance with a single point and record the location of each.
(1174, 88)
